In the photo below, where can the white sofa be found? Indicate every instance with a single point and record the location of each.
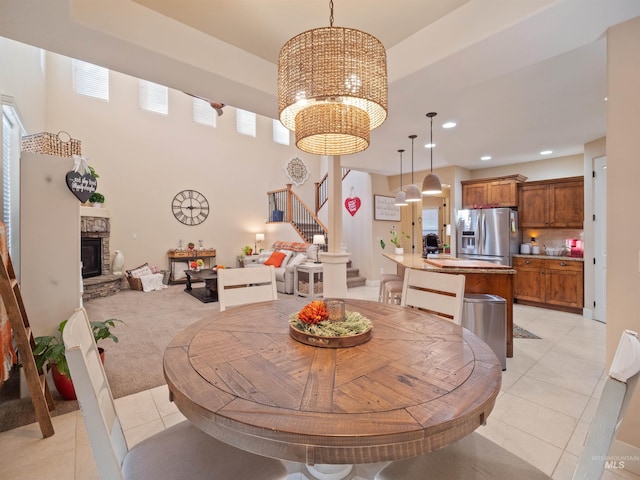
(294, 254)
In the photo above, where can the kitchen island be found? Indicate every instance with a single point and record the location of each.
(481, 277)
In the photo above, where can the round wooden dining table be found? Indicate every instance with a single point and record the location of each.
(419, 384)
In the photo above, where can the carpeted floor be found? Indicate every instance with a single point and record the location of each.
(134, 363)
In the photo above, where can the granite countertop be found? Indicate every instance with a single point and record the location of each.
(409, 260)
(550, 257)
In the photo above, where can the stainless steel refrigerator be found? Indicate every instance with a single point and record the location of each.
(489, 234)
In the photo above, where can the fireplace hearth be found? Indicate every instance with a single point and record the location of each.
(98, 281)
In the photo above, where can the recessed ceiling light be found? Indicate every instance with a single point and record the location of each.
(429, 145)
(449, 125)
(486, 157)
(546, 152)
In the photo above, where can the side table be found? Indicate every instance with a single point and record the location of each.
(307, 280)
(241, 260)
(178, 255)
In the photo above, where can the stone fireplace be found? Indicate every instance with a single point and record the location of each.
(97, 279)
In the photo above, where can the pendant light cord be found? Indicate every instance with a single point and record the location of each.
(431, 141)
(412, 137)
(400, 151)
(431, 115)
(331, 14)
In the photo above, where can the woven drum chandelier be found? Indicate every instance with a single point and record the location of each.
(332, 88)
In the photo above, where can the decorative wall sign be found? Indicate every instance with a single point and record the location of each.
(190, 207)
(80, 180)
(352, 204)
(297, 171)
(82, 186)
(384, 209)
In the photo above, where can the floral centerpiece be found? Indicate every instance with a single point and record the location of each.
(196, 264)
(313, 319)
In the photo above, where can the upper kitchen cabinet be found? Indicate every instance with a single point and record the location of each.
(491, 192)
(557, 203)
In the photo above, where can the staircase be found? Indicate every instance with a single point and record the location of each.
(353, 277)
(286, 206)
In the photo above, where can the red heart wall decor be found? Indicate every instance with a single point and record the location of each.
(352, 204)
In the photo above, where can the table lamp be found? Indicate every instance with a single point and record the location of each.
(259, 238)
(318, 240)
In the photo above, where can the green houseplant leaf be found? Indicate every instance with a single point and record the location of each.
(50, 348)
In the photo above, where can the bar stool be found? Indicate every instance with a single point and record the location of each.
(384, 278)
(393, 291)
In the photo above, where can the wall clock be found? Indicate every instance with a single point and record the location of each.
(190, 207)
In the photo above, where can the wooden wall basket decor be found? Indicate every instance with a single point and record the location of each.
(51, 144)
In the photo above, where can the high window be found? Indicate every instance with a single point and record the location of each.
(203, 112)
(154, 97)
(245, 122)
(90, 80)
(280, 133)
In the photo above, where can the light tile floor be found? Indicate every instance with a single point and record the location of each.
(549, 393)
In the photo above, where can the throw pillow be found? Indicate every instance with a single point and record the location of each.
(288, 255)
(275, 259)
(298, 259)
(140, 271)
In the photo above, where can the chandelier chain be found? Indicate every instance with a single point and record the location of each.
(331, 14)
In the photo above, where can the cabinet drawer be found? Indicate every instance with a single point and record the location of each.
(520, 262)
(181, 254)
(567, 265)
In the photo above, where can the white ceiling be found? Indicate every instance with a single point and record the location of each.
(518, 76)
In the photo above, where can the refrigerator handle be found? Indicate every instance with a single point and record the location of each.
(480, 230)
(484, 232)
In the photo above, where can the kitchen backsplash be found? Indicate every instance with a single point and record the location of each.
(551, 237)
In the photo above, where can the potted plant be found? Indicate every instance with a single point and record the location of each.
(397, 241)
(50, 349)
(96, 199)
(191, 245)
(247, 250)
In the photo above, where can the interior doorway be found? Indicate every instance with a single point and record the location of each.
(600, 238)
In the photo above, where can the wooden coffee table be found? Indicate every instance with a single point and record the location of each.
(208, 293)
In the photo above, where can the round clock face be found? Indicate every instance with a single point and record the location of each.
(190, 207)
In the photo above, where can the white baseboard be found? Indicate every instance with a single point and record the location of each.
(624, 455)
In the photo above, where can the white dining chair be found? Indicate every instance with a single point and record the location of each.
(439, 293)
(179, 452)
(240, 286)
(481, 459)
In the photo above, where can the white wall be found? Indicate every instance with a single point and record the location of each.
(23, 78)
(623, 172)
(50, 223)
(144, 159)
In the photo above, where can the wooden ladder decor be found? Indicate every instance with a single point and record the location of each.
(23, 336)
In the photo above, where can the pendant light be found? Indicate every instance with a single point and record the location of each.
(332, 88)
(431, 183)
(401, 197)
(412, 192)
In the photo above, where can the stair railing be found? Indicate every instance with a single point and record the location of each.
(286, 206)
(322, 189)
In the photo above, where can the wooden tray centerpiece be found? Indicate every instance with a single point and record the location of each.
(329, 327)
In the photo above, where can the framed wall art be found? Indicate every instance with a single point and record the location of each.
(297, 171)
(384, 209)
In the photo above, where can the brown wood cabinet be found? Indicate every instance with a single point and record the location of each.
(491, 192)
(557, 203)
(552, 283)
